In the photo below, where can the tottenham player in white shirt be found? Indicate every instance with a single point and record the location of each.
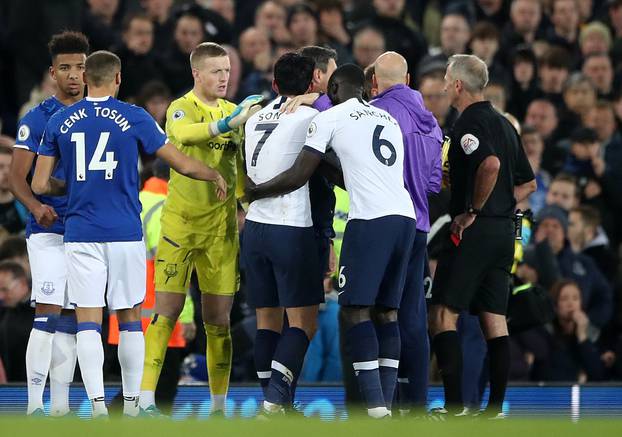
(279, 253)
(380, 231)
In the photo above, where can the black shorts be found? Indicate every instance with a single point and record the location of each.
(281, 266)
(475, 275)
(374, 261)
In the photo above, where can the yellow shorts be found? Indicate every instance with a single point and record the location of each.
(215, 260)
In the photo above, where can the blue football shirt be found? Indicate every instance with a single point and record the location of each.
(29, 134)
(98, 141)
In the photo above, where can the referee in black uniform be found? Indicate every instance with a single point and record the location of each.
(489, 173)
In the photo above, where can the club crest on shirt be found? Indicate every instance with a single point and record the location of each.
(312, 129)
(178, 115)
(171, 270)
(23, 133)
(469, 143)
(47, 288)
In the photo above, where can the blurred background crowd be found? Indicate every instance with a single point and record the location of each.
(555, 65)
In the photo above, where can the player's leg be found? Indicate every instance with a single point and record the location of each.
(48, 293)
(173, 268)
(127, 270)
(474, 355)
(219, 280)
(415, 344)
(63, 365)
(87, 277)
(269, 326)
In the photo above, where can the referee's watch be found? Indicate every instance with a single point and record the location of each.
(473, 211)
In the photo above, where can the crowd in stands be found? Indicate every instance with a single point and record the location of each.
(555, 65)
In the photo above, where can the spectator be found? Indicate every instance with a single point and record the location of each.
(270, 17)
(101, 23)
(587, 237)
(594, 38)
(564, 350)
(13, 248)
(45, 89)
(455, 34)
(492, 11)
(525, 18)
(485, 45)
(175, 66)
(436, 100)
(137, 57)
(563, 192)
(579, 97)
(16, 320)
(565, 27)
(553, 72)
(534, 146)
(389, 16)
(215, 27)
(164, 24)
(524, 82)
(13, 215)
(615, 19)
(255, 51)
(367, 44)
(596, 293)
(332, 23)
(155, 97)
(584, 161)
(598, 68)
(496, 93)
(224, 8)
(542, 115)
(303, 25)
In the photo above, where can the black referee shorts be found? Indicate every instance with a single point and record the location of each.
(475, 275)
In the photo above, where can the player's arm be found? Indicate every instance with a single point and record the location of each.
(20, 167)
(192, 168)
(42, 180)
(524, 179)
(189, 132)
(290, 180)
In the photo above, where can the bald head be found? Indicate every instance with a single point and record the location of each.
(390, 69)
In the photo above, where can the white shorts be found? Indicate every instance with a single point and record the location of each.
(48, 267)
(106, 272)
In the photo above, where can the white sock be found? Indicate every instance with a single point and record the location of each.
(99, 407)
(130, 406)
(218, 402)
(91, 359)
(62, 368)
(147, 399)
(131, 358)
(38, 357)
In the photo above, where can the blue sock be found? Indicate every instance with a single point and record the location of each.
(362, 345)
(266, 342)
(286, 365)
(46, 323)
(67, 324)
(388, 358)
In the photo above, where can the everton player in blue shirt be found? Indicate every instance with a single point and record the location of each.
(97, 141)
(52, 342)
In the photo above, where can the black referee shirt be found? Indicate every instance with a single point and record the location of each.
(479, 132)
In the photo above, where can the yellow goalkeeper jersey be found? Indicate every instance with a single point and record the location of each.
(192, 206)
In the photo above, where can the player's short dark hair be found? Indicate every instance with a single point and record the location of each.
(13, 247)
(206, 50)
(101, 67)
(127, 21)
(369, 73)
(68, 43)
(293, 73)
(14, 268)
(320, 55)
(350, 74)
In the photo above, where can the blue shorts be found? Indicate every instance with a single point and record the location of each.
(281, 266)
(374, 261)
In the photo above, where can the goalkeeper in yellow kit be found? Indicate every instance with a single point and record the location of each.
(199, 231)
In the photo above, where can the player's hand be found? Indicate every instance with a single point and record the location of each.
(249, 190)
(221, 186)
(45, 215)
(291, 105)
(460, 223)
(238, 117)
(188, 331)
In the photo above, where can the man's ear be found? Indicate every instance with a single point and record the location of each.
(374, 81)
(117, 78)
(408, 79)
(275, 87)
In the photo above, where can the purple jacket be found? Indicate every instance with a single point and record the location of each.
(423, 141)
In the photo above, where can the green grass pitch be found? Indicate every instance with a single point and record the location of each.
(300, 427)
